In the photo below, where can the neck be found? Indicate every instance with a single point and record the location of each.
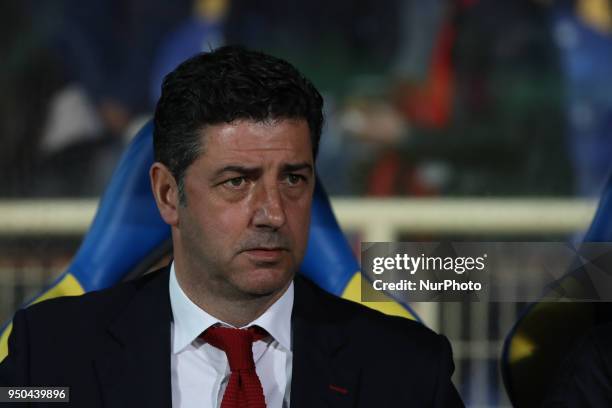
(238, 311)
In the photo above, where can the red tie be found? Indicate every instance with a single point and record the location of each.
(244, 388)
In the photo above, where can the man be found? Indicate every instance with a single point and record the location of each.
(236, 135)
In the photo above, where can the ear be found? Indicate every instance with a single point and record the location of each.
(165, 191)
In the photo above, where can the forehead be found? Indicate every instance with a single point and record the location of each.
(249, 140)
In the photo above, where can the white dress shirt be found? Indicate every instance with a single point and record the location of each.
(200, 372)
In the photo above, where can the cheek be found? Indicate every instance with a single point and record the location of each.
(206, 220)
(228, 220)
(298, 216)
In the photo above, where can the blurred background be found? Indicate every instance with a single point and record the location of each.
(482, 120)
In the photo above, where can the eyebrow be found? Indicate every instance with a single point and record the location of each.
(286, 168)
(233, 168)
(289, 167)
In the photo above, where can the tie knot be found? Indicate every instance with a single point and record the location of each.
(237, 344)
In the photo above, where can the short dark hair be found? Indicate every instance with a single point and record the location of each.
(224, 85)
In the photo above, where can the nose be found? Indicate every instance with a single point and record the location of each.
(269, 208)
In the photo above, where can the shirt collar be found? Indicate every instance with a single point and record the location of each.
(190, 320)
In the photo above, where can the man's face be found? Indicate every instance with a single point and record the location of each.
(244, 227)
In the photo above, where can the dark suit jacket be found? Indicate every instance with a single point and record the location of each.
(112, 348)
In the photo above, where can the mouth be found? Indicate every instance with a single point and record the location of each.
(262, 254)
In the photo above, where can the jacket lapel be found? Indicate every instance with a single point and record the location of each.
(133, 365)
(319, 378)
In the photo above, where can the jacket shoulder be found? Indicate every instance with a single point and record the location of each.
(95, 308)
(355, 316)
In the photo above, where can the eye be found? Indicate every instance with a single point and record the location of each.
(235, 182)
(295, 179)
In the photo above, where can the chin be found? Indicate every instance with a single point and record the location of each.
(265, 281)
